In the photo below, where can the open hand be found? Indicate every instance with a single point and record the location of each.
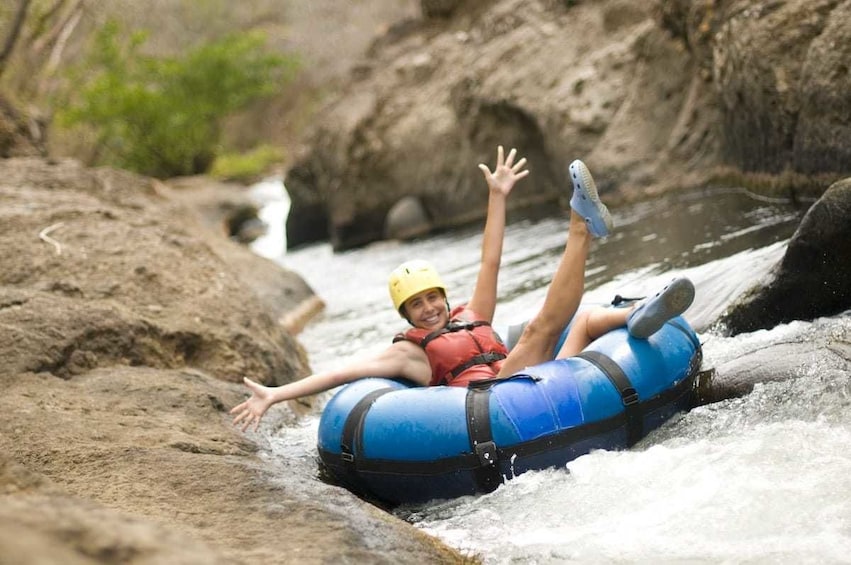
(251, 411)
(506, 173)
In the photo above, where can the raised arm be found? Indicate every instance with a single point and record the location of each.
(500, 182)
(402, 359)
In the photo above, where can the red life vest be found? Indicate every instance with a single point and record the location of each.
(464, 351)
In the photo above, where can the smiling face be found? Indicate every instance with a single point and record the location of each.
(427, 309)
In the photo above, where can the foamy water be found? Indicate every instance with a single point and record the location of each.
(763, 478)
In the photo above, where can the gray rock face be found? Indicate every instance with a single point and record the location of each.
(781, 69)
(435, 99)
(814, 277)
(651, 96)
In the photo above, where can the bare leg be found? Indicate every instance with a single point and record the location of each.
(591, 324)
(541, 334)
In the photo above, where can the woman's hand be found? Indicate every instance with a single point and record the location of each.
(506, 173)
(251, 411)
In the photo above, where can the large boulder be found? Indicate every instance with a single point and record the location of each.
(814, 277)
(137, 465)
(103, 267)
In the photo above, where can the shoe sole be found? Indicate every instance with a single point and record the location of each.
(668, 303)
(586, 201)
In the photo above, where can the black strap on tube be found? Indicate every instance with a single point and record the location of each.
(629, 396)
(481, 439)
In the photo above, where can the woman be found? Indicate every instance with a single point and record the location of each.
(457, 346)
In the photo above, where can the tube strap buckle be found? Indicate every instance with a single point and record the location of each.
(486, 452)
(629, 396)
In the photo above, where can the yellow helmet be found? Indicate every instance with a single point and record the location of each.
(412, 277)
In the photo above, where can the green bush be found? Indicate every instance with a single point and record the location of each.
(247, 166)
(162, 116)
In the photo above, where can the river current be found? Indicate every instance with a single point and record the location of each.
(763, 478)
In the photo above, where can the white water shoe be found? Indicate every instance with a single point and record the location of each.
(652, 313)
(586, 203)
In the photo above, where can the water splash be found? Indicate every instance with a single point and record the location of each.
(764, 478)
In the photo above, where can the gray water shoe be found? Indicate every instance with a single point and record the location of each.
(652, 313)
(586, 202)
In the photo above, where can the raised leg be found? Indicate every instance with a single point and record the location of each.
(541, 334)
(588, 218)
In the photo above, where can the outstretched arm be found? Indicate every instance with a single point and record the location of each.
(500, 182)
(402, 359)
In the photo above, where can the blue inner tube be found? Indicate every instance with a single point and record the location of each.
(393, 442)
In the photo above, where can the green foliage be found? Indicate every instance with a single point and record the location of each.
(246, 166)
(162, 116)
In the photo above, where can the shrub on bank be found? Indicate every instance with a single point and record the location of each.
(162, 116)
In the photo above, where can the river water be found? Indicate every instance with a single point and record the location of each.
(764, 478)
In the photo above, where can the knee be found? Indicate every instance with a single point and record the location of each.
(541, 330)
(582, 321)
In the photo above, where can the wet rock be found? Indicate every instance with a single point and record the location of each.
(308, 218)
(774, 363)
(814, 277)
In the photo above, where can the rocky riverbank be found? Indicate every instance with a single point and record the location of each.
(127, 320)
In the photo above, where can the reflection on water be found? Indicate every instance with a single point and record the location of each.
(687, 230)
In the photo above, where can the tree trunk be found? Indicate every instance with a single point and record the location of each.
(14, 33)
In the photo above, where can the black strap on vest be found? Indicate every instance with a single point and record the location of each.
(481, 439)
(350, 442)
(483, 359)
(632, 409)
(452, 327)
